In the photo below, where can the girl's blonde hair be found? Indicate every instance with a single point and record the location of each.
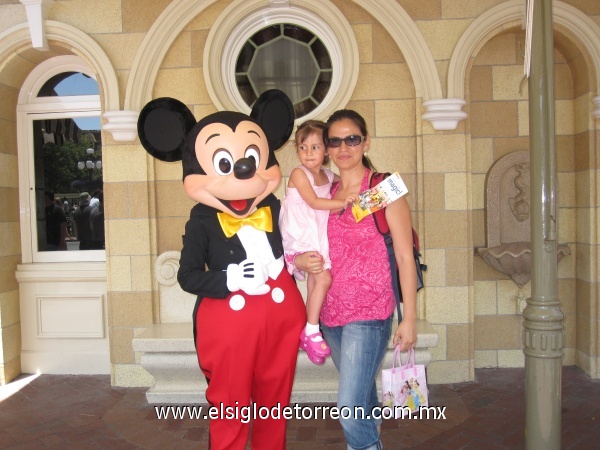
(308, 128)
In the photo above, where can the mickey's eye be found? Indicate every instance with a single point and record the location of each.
(253, 153)
(223, 162)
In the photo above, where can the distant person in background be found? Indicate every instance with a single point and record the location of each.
(67, 209)
(65, 205)
(95, 199)
(81, 221)
(97, 223)
(59, 203)
(56, 224)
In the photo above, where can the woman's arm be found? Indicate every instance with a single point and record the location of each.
(400, 223)
(300, 181)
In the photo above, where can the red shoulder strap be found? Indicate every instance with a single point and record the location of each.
(416, 240)
(379, 216)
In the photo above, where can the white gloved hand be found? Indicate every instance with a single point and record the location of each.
(249, 276)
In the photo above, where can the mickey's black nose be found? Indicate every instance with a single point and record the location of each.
(244, 168)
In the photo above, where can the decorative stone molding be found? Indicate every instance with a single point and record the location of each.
(17, 37)
(155, 46)
(122, 125)
(596, 111)
(79, 272)
(176, 305)
(409, 39)
(583, 28)
(510, 13)
(444, 113)
(242, 18)
(389, 13)
(36, 14)
(166, 267)
(49, 68)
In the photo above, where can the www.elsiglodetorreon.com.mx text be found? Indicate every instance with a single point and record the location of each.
(295, 411)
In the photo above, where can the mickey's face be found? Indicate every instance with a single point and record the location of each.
(234, 162)
(228, 157)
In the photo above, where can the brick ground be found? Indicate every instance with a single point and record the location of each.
(85, 412)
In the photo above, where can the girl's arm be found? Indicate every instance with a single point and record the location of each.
(300, 181)
(398, 217)
(309, 262)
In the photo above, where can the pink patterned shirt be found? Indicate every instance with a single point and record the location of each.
(362, 284)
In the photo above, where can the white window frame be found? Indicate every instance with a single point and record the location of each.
(242, 18)
(30, 108)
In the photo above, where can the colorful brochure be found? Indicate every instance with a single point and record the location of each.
(378, 197)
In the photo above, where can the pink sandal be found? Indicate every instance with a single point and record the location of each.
(317, 351)
(315, 359)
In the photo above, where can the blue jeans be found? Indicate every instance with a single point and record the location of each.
(357, 350)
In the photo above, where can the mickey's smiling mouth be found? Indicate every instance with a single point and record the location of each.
(238, 207)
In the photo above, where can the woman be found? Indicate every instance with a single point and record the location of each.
(357, 314)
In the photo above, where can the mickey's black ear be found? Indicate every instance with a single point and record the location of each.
(274, 112)
(163, 125)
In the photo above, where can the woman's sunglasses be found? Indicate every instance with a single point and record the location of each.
(351, 141)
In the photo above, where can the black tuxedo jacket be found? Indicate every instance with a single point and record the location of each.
(207, 252)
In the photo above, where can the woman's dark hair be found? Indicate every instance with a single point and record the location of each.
(308, 128)
(358, 120)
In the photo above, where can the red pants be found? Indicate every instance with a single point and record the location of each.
(250, 355)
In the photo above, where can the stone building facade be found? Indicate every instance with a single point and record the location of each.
(440, 83)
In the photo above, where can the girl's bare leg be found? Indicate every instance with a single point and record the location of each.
(317, 286)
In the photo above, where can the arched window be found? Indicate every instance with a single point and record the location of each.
(60, 163)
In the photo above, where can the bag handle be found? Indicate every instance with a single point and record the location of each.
(396, 357)
(410, 361)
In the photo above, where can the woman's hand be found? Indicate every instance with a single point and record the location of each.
(406, 334)
(309, 262)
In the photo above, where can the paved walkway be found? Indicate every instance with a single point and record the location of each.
(85, 412)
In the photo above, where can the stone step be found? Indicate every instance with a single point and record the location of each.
(169, 355)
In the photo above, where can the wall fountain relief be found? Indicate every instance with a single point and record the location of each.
(508, 221)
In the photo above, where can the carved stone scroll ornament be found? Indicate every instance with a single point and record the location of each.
(519, 204)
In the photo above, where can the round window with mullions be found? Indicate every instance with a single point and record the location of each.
(287, 57)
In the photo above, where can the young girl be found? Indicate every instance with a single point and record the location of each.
(303, 224)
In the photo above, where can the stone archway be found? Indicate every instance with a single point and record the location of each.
(507, 15)
(17, 60)
(498, 126)
(17, 39)
(174, 18)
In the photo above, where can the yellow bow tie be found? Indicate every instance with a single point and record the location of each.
(260, 219)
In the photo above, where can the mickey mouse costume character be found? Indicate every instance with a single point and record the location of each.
(249, 312)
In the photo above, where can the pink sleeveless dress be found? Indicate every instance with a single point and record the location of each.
(302, 228)
(360, 269)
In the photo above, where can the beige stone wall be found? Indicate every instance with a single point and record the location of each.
(499, 125)
(445, 204)
(10, 330)
(494, 85)
(10, 249)
(146, 207)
